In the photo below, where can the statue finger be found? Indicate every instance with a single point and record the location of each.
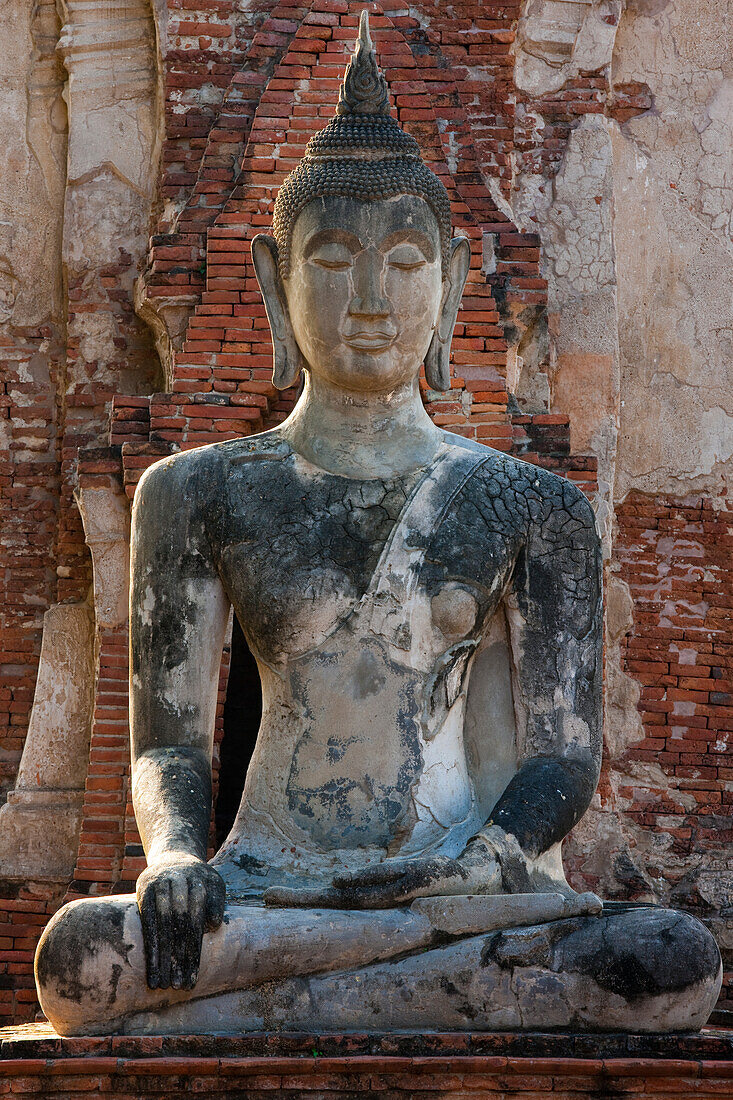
(197, 916)
(180, 924)
(216, 897)
(285, 897)
(379, 896)
(162, 892)
(149, 923)
(370, 876)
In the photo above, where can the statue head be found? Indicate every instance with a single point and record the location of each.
(361, 279)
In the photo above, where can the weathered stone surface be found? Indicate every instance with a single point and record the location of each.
(580, 262)
(113, 150)
(681, 49)
(366, 579)
(33, 170)
(106, 517)
(474, 913)
(636, 251)
(676, 334)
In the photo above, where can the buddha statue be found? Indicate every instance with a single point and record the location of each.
(379, 875)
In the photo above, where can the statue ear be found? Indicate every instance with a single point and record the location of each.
(437, 360)
(288, 359)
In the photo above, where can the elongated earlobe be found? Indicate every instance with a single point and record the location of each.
(287, 358)
(437, 360)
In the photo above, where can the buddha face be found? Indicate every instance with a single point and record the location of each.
(365, 289)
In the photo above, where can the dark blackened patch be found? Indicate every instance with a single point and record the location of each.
(489, 948)
(459, 993)
(532, 946)
(114, 981)
(180, 777)
(479, 537)
(543, 802)
(369, 676)
(449, 987)
(286, 542)
(641, 952)
(251, 864)
(337, 746)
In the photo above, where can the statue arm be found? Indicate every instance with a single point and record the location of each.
(178, 616)
(556, 626)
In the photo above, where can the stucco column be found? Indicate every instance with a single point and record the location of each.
(39, 824)
(109, 51)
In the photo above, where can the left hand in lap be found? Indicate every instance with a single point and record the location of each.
(398, 882)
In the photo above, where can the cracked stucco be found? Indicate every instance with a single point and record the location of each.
(32, 167)
(681, 49)
(675, 333)
(638, 263)
(673, 184)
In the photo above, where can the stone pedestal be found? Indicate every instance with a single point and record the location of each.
(488, 1066)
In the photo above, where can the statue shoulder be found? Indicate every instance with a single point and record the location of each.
(200, 476)
(561, 518)
(535, 497)
(180, 479)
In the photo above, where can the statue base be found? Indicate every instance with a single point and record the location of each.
(34, 1061)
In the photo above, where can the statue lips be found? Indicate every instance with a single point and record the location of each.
(371, 339)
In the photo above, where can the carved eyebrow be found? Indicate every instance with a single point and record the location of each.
(410, 236)
(332, 236)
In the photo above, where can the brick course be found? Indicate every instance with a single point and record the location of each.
(442, 1066)
(488, 1066)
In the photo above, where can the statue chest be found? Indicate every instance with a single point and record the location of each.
(299, 554)
(364, 604)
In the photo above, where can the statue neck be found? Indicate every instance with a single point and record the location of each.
(362, 435)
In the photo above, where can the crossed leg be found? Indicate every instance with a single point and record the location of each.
(380, 970)
(90, 962)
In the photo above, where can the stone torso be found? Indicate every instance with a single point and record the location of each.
(363, 603)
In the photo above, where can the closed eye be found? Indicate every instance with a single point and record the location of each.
(402, 266)
(406, 257)
(331, 265)
(333, 255)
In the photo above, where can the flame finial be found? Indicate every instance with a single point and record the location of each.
(363, 89)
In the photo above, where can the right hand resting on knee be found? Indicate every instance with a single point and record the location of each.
(179, 900)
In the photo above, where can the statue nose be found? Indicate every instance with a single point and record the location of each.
(369, 299)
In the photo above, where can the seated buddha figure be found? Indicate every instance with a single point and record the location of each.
(368, 882)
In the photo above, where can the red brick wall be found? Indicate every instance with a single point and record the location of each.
(677, 557)
(24, 912)
(30, 362)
